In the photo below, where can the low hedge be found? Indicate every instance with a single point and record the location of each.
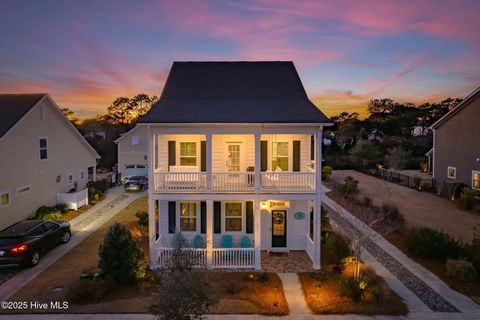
(49, 213)
(430, 243)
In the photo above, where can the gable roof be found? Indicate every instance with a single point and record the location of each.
(234, 92)
(471, 97)
(126, 134)
(14, 106)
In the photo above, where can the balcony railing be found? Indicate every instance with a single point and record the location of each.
(235, 181)
(178, 181)
(288, 181)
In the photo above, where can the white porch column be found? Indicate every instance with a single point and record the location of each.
(209, 160)
(257, 163)
(318, 199)
(209, 233)
(258, 235)
(151, 202)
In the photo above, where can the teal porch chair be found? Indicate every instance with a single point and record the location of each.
(198, 242)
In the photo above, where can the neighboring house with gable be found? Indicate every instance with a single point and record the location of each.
(44, 159)
(456, 145)
(132, 153)
(230, 163)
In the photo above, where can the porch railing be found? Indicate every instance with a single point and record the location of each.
(233, 258)
(233, 181)
(288, 181)
(180, 180)
(309, 246)
(196, 257)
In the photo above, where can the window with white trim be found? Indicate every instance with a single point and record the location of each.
(475, 180)
(4, 199)
(188, 216)
(233, 216)
(280, 156)
(451, 172)
(135, 140)
(23, 190)
(42, 145)
(188, 153)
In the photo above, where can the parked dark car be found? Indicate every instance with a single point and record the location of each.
(26, 241)
(136, 183)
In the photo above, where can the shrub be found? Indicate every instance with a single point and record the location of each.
(430, 243)
(426, 187)
(142, 217)
(263, 277)
(87, 290)
(338, 249)
(350, 185)
(473, 249)
(391, 213)
(326, 172)
(367, 202)
(375, 295)
(461, 270)
(417, 182)
(100, 185)
(467, 198)
(120, 258)
(325, 222)
(350, 287)
(62, 207)
(48, 213)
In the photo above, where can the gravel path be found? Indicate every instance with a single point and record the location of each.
(416, 285)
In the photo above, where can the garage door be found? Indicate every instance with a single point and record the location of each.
(135, 170)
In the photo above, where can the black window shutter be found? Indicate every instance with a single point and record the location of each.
(217, 217)
(171, 154)
(263, 155)
(296, 155)
(203, 156)
(312, 147)
(172, 217)
(203, 217)
(249, 208)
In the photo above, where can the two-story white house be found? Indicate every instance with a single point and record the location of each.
(44, 160)
(233, 151)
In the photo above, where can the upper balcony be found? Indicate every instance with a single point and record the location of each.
(234, 163)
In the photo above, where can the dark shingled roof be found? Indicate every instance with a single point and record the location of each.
(234, 92)
(14, 106)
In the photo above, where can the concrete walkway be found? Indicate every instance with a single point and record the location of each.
(294, 293)
(415, 305)
(82, 226)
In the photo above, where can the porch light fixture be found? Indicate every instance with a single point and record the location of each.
(263, 205)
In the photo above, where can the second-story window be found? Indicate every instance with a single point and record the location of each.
(42, 143)
(280, 156)
(188, 153)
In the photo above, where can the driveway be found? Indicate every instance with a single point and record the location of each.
(420, 209)
(82, 226)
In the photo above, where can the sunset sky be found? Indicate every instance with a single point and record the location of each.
(85, 53)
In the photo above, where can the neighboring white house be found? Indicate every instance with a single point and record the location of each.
(132, 153)
(43, 157)
(420, 131)
(230, 163)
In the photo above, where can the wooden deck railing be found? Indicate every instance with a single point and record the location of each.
(288, 181)
(233, 258)
(233, 181)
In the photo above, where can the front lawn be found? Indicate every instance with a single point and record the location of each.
(323, 296)
(236, 291)
(246, 293)
(398, 236)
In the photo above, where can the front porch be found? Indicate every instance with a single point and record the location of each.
(236, 233)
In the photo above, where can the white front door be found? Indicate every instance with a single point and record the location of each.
(233, 161)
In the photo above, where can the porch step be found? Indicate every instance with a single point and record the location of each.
(275, 250)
